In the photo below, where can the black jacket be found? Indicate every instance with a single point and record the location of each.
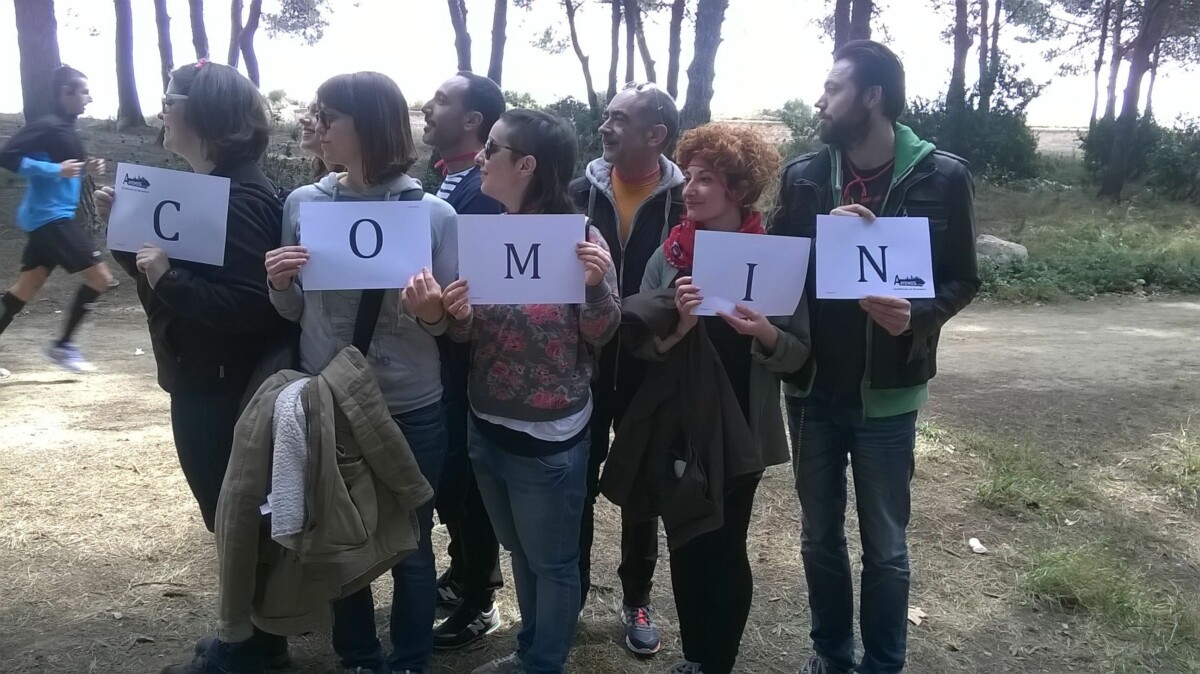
(939, 187)
(618, 374)
(53, 138)
(684, 440)
(210, 326)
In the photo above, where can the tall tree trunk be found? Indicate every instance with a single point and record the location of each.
(37, 41)
(129, 108)
(162, 21)
(630, 40)
(1153, 26)
(1114, 66)
(615, 55)
(674, 45)
(462, 38)
(633, 9)
(593, 100)
(710, 15)
(1105, 15)
(985, 99)
(235, 32)
(199, 34)
(247, 41)
(1153, 78)
(860, 19)
(994, 56)
(956, 95)
(841, 23)
(499, 37)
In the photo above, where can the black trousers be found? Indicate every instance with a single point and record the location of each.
(473, 550)
(713, 585)
(203, 428)
(639, 541)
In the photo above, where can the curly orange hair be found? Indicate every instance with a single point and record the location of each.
(748, 161)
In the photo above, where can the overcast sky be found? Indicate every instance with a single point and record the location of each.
(772, 52)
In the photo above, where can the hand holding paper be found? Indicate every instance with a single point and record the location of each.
(749, 322)
(283, 264)
(423, 297)
(893, 314)
(687, 299)
(455, 301)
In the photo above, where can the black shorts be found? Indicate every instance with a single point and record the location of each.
(62, 243)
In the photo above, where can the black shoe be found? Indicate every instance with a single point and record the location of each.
(465, 626)
(270, 661)
(449, 593)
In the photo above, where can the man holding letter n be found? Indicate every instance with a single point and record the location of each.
(858, 396)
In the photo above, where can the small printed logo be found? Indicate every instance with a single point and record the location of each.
(909, 282)
(136, 181)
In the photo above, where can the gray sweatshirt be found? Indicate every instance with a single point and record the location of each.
(403, 354)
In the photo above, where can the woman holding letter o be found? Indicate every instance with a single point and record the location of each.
(211, 326)
(728, 368)
(530, 397)
(362, 120)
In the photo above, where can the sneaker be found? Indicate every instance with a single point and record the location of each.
(449, 592)
(685, 667)
(509, 664)
(641, 634)
(68, 357)
(817, 665)
(465, 626)
(270, 660)
(4, 374)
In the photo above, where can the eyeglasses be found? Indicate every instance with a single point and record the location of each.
(323, 117)
(171, 99)
(491, 147)
(643, 87)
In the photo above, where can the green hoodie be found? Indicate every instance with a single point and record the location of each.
(910, 150)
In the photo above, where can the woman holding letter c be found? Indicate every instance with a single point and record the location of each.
(530, 396)
(362, 121)
(211, 326)
(724, 372)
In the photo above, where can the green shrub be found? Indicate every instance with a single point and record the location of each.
(998, 144)
(800, 119)
(1097, 144)
(1174, 165)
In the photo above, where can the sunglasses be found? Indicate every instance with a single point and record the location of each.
(169, 100)
(643, 87)
(325, 118)
(491, 147)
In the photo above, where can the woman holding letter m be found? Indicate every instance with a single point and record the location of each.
(707, 419)
(530, 396)
(362, 119)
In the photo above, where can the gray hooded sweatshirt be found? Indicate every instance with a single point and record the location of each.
(403, 355)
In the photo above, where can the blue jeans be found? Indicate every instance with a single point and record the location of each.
(414, 594)
(536, 507)
(880, 450)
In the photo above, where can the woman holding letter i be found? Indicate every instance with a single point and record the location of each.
(362, 120)
(707, 420)
(529, 394)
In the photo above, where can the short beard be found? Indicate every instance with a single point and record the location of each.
(848, 131)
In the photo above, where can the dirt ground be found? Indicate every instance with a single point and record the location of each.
(105, 566)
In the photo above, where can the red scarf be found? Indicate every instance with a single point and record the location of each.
(443, 164)
(681, 242)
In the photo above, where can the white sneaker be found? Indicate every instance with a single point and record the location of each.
(4, 374)
(68, 357)
(509, 664)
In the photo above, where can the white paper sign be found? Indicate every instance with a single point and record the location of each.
(185, 214)
(357, 245)
(522, 259)
(888, 257)
(763, 272)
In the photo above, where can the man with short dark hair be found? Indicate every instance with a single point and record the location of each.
(634, 196)
(856, 401)
(50, 155)
(457, 121)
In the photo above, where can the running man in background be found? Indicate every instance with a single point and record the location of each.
(50, 155)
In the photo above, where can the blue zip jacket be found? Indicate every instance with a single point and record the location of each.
(35, 152)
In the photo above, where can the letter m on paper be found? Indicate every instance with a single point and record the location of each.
(880, 267)
(514, 258)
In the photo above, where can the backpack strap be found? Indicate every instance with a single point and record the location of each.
(372, 300)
